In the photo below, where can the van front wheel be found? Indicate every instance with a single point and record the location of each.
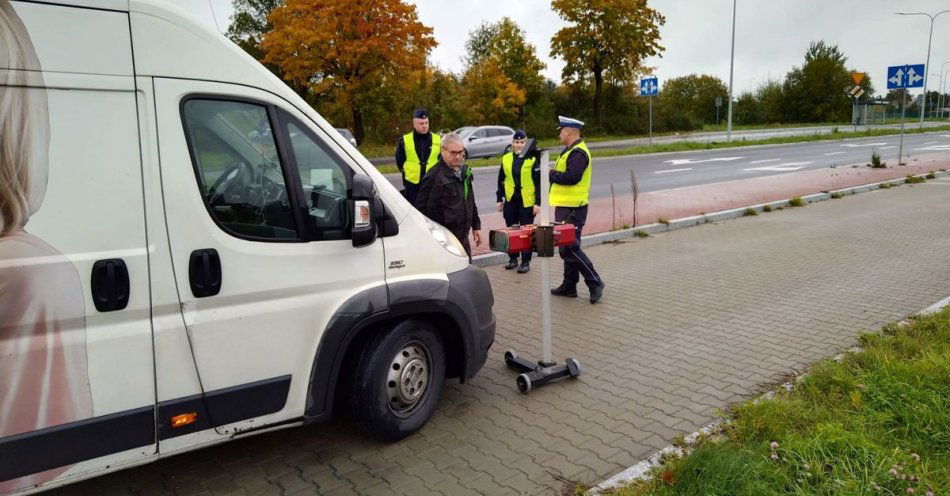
(399, 379)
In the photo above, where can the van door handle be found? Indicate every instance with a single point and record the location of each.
(204, 272)
(110, 285)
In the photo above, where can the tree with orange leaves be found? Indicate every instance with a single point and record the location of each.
(346, 49)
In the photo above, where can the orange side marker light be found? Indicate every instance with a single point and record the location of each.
(184, 419)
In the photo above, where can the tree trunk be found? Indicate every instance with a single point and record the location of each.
(598, 91)
(357, 124)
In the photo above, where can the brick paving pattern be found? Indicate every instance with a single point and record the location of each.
(691, 321)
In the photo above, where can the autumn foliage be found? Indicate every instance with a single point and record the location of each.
(347, 48)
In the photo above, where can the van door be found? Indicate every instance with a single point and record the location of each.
(76, 371)
(259, 228)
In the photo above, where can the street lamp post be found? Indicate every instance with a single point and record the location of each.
(732, 59)
(923, 110)
(940, 88)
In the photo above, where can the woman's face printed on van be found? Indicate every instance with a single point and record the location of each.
(24, 125)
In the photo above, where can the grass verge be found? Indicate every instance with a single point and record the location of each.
(877, 422)
(688, 146)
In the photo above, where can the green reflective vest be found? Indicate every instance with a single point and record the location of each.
(527, 182)
(413, 169)
(572, 195)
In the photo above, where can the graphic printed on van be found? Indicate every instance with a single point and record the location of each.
(43, 368)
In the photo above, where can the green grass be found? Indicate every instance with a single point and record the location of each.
(836, 195)
(880, 418)
(641, 234)
(796, 202)
(749, 212)
(767, 208)
(931, 175)
(912, 179)
(885, 186)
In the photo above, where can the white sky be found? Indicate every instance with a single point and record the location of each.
(771, 35)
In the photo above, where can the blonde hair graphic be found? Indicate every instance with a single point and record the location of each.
(24, 124)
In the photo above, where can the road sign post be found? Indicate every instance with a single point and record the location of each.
(903, 77)
(648, 88)
(718, 104)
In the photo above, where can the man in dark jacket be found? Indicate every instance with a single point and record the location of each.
(445, 193)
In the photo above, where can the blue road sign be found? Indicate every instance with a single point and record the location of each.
(905, 76)
(649, 86)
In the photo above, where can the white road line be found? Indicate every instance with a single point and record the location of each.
(766, 160)
(672, 170)
(931, 142)
(935, 148)
(786, 167)
(855, 145)
(683, 161)
(835, 153)
(887, 147)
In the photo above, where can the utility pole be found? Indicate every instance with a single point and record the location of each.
(732, 60)
(923, 109)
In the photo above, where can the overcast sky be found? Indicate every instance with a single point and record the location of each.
(771, 35)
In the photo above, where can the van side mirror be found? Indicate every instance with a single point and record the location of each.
(362, 203)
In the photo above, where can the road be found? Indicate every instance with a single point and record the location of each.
(662, 171)
(719, 136)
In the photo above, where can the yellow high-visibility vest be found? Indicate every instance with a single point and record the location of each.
(527, 182)
(572, 195)
(413, 169)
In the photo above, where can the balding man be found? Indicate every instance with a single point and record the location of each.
(446, 196)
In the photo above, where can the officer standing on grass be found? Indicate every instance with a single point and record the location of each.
(416, 152)
(570, 195)
(519, 193)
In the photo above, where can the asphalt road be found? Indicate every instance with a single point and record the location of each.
(662, 171)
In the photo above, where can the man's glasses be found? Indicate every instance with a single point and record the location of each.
(454, 153)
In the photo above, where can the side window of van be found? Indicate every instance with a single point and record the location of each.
(325, 180)
(235, 154)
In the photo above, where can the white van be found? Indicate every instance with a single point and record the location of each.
(189, 253)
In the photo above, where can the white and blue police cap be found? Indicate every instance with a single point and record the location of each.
(569, 122)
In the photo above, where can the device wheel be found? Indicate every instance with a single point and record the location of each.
(524, 383)
(573, 367)
(399, 380)
(511, 355)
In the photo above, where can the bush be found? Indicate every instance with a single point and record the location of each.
(749, 212)
(796, 202)
(876, 161)
(931, 175)
(836, 195)
(767, 208)
(911, 179)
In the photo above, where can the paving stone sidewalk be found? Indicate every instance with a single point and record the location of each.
(692, 320)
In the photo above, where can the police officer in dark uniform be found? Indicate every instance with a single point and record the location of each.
(519, 192)
(416, 152)
(570, 195)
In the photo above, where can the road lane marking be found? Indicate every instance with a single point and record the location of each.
(887, 147)
(935, 148)
(766, 160)
(931, 142)
(684, 161)
(786, 167)
(672, 170)
(855, 145)
(835, 153)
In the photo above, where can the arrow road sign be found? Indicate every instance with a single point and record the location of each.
(905, 76)
(649, 86)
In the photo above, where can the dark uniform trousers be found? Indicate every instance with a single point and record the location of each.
(576, 262)
(411, 191)
(515, 213)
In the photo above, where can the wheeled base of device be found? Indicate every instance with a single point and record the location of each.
(534, 375)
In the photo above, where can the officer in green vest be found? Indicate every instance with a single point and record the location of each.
(519, 192)
(570, 195)
(416, 152)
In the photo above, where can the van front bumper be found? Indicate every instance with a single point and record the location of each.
(471, 294)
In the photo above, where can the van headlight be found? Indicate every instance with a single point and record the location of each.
(445, 238)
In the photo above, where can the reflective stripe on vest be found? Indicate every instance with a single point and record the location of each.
(413, 170)
(572, 195)
(527, 182)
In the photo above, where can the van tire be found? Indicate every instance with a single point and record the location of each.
(386, 398)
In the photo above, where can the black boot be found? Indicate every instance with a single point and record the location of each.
(512, 263)
(564, 291)
(597, 292)
(525, 267)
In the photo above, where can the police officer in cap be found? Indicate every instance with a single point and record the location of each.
(416, 152)
(519, 191)
(570, 195)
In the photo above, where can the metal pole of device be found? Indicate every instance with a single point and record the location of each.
(545, 263)
(732, 59)
(651, 119)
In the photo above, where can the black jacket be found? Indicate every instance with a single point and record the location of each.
(442, 198)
